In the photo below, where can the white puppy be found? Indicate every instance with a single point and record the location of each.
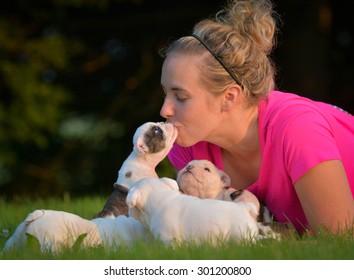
(56, 230)
(201, 178)
(172, 216)
(152, 141)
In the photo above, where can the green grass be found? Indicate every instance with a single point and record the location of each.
(323, 246)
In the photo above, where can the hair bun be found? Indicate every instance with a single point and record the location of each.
(252, 19)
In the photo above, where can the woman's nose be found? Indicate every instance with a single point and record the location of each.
(166, 109)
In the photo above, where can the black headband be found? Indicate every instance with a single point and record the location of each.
(218, 59)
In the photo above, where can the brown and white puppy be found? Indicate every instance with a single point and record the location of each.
(152, 141)
(175, 217)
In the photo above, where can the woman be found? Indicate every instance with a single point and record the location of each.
(296, 155)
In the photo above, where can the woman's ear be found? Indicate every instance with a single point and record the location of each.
(231, 96)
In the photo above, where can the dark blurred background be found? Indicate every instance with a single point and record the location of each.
(78, 76)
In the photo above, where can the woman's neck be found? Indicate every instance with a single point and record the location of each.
(238, 133)
(241, 152)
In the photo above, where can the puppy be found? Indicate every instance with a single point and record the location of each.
(152, 142)
(201, 178)
(56, 230)
(172, 216)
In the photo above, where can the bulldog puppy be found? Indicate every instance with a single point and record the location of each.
(152, 141)
(56, 230)
(201, 178)
(172, 216)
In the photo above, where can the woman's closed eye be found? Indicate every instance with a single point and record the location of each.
(180, 98)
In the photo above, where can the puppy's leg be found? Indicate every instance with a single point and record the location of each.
(115, 204)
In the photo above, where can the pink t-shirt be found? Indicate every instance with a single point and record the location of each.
(296, 134)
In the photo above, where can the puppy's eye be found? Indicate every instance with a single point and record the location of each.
(207, 169)
(156, 130)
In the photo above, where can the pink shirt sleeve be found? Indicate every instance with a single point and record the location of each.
(306, 140)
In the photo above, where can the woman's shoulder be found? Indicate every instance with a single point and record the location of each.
(278, 101)
(280, 107)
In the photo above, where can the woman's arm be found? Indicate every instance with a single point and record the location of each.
(326, 198)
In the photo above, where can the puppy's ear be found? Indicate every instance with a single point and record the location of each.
(133, 199)
(140, 148)
(225, 179)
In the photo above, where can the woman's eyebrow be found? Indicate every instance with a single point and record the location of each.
(177, 89)
(174, 88)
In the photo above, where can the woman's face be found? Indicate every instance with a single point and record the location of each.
(188, 105)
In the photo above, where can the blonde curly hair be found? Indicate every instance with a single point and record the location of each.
(242, 36)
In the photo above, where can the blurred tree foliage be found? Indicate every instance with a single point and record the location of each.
(76, 79)
(78, 76)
